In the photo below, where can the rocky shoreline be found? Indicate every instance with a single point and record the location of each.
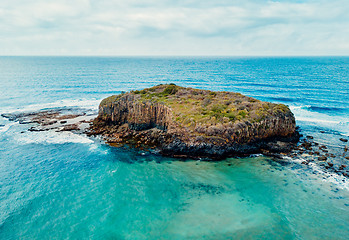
(330, 159)
(308, 150)
(58, 120)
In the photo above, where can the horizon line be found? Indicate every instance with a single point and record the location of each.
(155, 56)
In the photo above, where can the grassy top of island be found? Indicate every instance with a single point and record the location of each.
(195, 106)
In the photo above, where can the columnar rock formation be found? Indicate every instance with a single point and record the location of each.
(138, 115)
(186, 122)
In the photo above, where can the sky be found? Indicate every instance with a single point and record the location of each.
(174, 27)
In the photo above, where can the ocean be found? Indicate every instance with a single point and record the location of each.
(61, 185)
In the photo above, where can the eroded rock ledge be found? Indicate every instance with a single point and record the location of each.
(187, 122)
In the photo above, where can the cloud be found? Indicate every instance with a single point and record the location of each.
(155, 27)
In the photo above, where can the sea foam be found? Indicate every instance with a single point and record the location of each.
(91, 104)
(51, 137)
(318, 174)
(337, 123)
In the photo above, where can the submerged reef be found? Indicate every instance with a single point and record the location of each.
(187, 122)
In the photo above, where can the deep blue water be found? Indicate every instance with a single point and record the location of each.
(66, 186)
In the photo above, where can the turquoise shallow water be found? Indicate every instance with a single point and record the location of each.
(66, 186)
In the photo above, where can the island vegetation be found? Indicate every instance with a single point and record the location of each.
(182, 121)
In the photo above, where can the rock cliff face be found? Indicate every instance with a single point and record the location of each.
(138, 115)
(186, 122)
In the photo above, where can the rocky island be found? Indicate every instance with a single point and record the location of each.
(187, 122)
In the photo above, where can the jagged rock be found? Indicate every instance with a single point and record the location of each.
(49, 123)
(70, 127)
(33, 129)
(341, 167)
(24, 122)
(307, 145)
(186, 122)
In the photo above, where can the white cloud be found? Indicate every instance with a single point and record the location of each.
(154, 27)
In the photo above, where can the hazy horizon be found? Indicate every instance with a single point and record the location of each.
(184, 56)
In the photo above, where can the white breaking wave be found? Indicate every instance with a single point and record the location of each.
(81, 103)
(333, 178)
(337, 123)
(51, 137)
(6, 127)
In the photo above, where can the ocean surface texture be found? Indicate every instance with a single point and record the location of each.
(60, 185)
